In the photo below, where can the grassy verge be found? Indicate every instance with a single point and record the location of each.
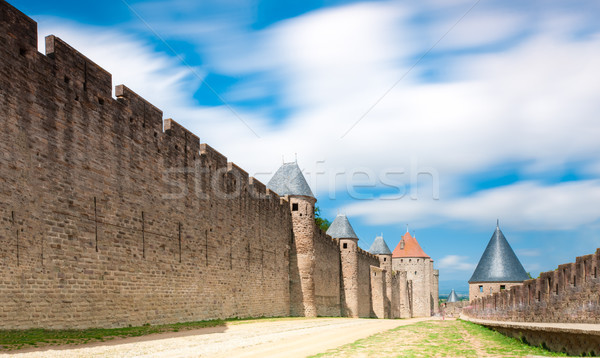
(438, 339)
(28, 338)
(32, 338)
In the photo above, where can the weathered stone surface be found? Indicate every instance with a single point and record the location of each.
(570, 293)
(106, 220)
(110, 216)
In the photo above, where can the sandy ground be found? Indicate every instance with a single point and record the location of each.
(284, 338)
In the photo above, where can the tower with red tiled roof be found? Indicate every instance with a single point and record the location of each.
(422, 279)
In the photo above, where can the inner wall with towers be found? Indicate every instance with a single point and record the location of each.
(112, 216)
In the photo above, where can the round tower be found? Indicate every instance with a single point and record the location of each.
(342, 230)
(382, 251)
(498, 269)
(289, 181)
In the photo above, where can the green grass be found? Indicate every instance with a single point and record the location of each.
(438, 339)
(28, 338)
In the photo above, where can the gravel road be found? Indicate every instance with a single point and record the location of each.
(281, 338)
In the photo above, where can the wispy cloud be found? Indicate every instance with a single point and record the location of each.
(455, 263)
(532, 102)
(524, 206)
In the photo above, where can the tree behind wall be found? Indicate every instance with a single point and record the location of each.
(321, 221)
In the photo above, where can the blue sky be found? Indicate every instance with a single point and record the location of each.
(443, 115)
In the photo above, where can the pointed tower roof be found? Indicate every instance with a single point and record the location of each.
(289, 180)
(340, 228)
(453, 297)
(379, 247)
(409, 247)
(499, 262)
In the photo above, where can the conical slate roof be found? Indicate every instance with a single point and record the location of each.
(340, 228)
(499, 262)
(379, 247)
(289, 180)
(453, 297)
(409, 247)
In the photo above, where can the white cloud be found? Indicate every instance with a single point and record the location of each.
(455, 263)
(524, 206)
(534, 103)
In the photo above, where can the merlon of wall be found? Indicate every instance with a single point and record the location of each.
(569, 294)
(141, 110)
(85, 74)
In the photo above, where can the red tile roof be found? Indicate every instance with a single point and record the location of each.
(410, 248)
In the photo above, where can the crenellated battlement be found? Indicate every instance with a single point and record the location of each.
(138, 219)
(367, 254)
(571, 293)
(142, 222)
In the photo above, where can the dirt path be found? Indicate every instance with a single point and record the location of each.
(283, 338)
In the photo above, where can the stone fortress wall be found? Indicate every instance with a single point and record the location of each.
(569, 294)
(87, 237)
(110, 216)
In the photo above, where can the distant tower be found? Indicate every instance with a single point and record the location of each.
(453, 297)
(342, 230)
(380, 248)
(498, 269)
(289, 181)
(409, 256)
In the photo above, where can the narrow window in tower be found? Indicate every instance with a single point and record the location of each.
(385, 259)
(480, 288)
(415, 272)
(502, 287)
(295, 207)
(345, 246)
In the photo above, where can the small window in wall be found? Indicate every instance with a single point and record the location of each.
(409, 260)
(384, 259)
(595, 272)
(490, 290)
(480, 288)
(345, 245)
(503, 287)
(295, 207)
(417, 260)
(401, 260)
(374, 273)
(415, 272)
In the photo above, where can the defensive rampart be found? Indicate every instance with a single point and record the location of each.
(109, 217)
(559, 310)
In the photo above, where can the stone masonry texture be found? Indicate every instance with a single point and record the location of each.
(569, 294)
(111, 215)
(106, 219)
